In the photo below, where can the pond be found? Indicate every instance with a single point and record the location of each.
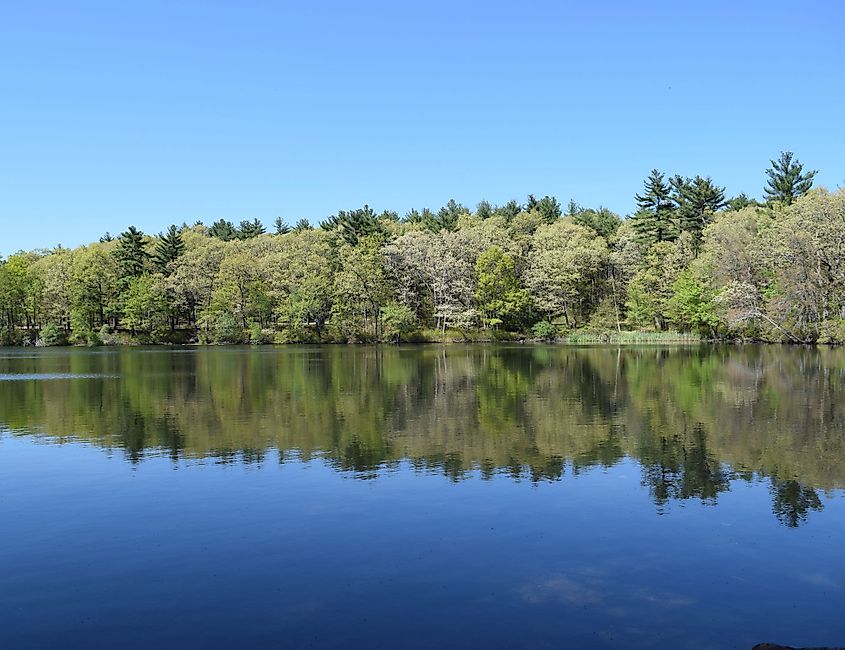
(418, 497)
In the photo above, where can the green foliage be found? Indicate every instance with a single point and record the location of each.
(224, 230)
(145, 308)
(832, 331)
(547, 207)
(250, 229)
(603, 222)
(281, 227)
(52, 335)
(787, 179)
(446, 218)
(170, 246)
(682, 262)
(225, 328)
(498, 293)
(131, 253)
(741, 201)
(696, 200)
(692, 306)
(398, 322)
(544, 330)
(655, 220)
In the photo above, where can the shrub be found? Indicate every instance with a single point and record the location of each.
(10, 337)
(832, 331)
(52, 335)
(225, 328)
(398, 322)
(544, 330)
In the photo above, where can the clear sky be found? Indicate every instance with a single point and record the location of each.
(156, 112)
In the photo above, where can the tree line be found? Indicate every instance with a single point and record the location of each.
(688, 259)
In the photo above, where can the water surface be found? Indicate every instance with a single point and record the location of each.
(539, 497)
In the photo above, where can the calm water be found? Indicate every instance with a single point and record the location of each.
(422, 497)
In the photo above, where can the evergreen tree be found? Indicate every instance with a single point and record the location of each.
(250, 229)
(302, 225)
(170, 246)
(413, 216)
(330, 223)
(281, 227)
(655, 217)
(484, 210)
(787, 179)
(742, 201)
(106, 238)
(446, 218)
(696, 200)
(358, 223)
(223, 229)
(547, 207)
(131, 253)
(602, 221)
(509, 210)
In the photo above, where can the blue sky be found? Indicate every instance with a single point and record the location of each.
(151, 113)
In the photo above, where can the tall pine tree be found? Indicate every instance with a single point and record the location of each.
(170, 246)
(131, 253)
(696, 200)
(223, 229)
(655, 218)
(787, 179)
(250, 229)
(281, 227)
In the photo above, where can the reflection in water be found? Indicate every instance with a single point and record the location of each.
(695, 419)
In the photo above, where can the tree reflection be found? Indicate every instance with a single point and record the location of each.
(695, 419)
(793, 501)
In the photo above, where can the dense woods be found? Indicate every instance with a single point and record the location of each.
(688, 259)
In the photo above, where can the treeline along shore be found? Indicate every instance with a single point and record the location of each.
(688, 263)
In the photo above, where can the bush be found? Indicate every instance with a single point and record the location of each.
(832, 331)
(225, 328)
(544, 330)
(397, 322)
(259, 336)
(10, 337)
(52, 335)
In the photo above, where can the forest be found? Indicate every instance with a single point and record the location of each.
(689, 263)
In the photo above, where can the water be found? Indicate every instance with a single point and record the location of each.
(422, 497)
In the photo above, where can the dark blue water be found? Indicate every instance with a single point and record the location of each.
(518, 524)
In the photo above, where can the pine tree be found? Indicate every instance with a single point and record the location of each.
(547, 207)
(170, 246)
(358, 223)
(446, 218)
(484, 210)
(131, 253)
(223, 229)
(787, 180)
(696, 200)
(655, 217)
(302, 225)
(281, 227)
(330, 223)
(509, 210)
(741, 201)
(250, 229)
(413, 216)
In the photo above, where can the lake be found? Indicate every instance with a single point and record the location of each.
(419, 497)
